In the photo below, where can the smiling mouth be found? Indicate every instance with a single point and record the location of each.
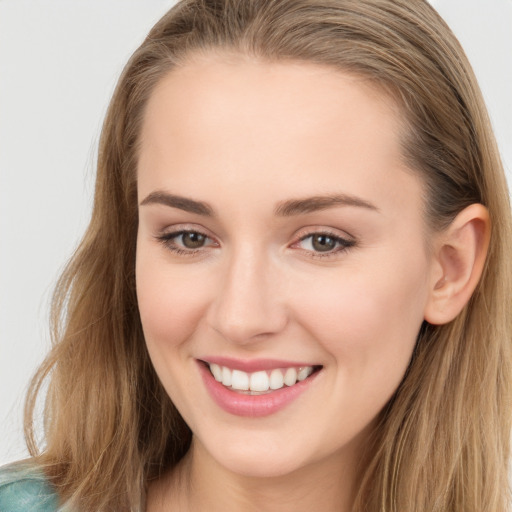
(260, 382)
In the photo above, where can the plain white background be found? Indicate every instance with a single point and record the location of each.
(59, 62)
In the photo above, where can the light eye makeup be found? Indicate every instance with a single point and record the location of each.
(186, 242)
(324, 244)
(317, 244)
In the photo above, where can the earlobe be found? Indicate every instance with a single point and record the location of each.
(460, 253)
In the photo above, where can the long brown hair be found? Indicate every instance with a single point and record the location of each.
(443, 440)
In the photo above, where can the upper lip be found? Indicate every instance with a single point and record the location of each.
(254, 365)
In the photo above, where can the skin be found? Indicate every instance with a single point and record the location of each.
(245, 136)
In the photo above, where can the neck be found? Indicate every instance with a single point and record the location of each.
(200, 483)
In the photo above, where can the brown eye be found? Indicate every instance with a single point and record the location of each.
(323, 243)
(193, 240)
(186, 243)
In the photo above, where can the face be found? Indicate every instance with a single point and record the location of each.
(282, 271)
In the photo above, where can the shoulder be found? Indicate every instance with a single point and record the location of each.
(24, 487)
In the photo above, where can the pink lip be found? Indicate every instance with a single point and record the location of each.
(253, 365)
(253, 406)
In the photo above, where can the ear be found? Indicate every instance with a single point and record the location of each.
(459, 257)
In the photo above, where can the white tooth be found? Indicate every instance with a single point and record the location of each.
(290, 377)
(240, 380)
(304, 372)
(216, 371)
(259, 381)
(276, 379)
(226, 376)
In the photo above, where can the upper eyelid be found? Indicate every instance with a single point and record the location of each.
(185, 228)
(344, 241)
(335, 233)
(299, 234)
(172, 234)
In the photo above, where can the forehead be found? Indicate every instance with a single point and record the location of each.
(231, 121)
(207, 89)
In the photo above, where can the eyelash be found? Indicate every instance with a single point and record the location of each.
(167, 239)
(343, 244)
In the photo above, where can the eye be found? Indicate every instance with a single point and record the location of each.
(192, 240)
(324, 244)
(185, 241)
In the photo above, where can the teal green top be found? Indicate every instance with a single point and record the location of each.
(24, 488)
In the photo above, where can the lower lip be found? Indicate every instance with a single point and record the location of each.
(253, 406)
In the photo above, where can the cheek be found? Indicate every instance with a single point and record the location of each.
(368, 321)
(367, 324)
(170, 304)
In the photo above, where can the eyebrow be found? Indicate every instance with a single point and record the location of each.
(316, 203)
(287, 208)
(180, 202)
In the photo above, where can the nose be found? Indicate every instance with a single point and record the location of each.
(248, 306)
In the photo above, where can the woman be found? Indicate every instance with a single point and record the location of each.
(293, 292)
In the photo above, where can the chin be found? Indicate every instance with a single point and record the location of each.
(255, 459)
